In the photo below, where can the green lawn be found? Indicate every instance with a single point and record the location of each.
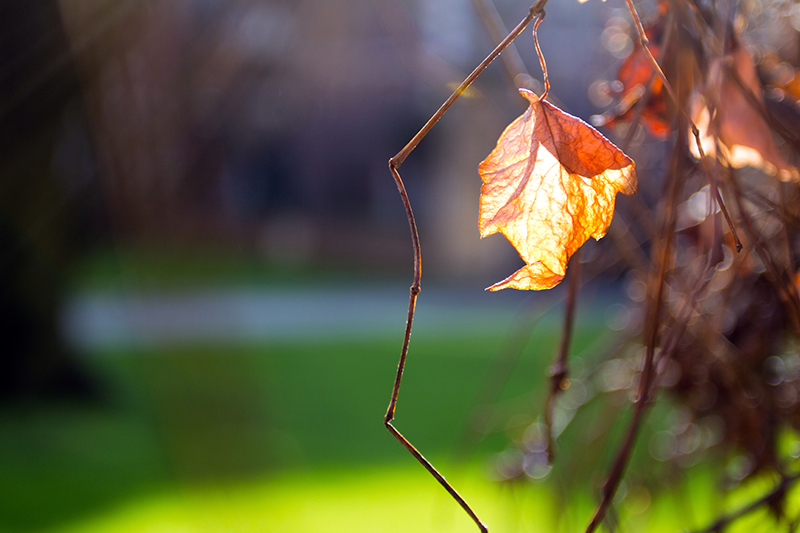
(289, 437)
(177, 418)
(393, 499)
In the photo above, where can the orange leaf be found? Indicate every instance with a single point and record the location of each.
(635, 74)
(549, 185)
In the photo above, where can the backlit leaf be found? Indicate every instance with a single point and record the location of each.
(549, 185)
(723, 112)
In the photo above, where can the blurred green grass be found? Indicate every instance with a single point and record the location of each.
(288, 436)
(185, 415)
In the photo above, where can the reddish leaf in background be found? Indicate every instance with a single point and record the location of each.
(549, 185)
(634, 74)
(722, 111)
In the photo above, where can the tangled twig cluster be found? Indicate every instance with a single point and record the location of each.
(711, 259)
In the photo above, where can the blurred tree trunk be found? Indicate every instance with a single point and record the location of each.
(37, 85)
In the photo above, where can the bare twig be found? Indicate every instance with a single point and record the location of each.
(646, 379)
(394, 164)
(494, 25)
(539, 54)
(478, 422)
(559, 377)
(775, 494)
(401, 156)
(779, 278)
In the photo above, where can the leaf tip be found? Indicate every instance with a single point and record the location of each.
(532, 277)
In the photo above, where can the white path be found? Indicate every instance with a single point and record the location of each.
(95, 320)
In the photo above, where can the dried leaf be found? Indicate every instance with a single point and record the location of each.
(722, 111)
(549, 185)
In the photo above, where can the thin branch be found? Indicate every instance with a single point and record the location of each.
(780, 279)
(442, 481)
(559, 378)
(478, 421)
(415, 289)
(414, 292)
(647, 376)
(494, 25)
(540, 55)
(533, 12)
(775, 494)
(394, 165)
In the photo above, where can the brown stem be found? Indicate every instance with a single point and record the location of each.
(779, 278)
(540, 55)
(713, 185)
(412, 300)
(644, 42)
(494, 25)
(430, 468)
(647, 376)
(394, 165)
(773, 495)
(415, 289)
(401, 156)
(559, 379)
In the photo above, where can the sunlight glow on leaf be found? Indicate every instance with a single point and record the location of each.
(549, 185)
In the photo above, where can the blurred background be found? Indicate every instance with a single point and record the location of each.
(205, 265)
